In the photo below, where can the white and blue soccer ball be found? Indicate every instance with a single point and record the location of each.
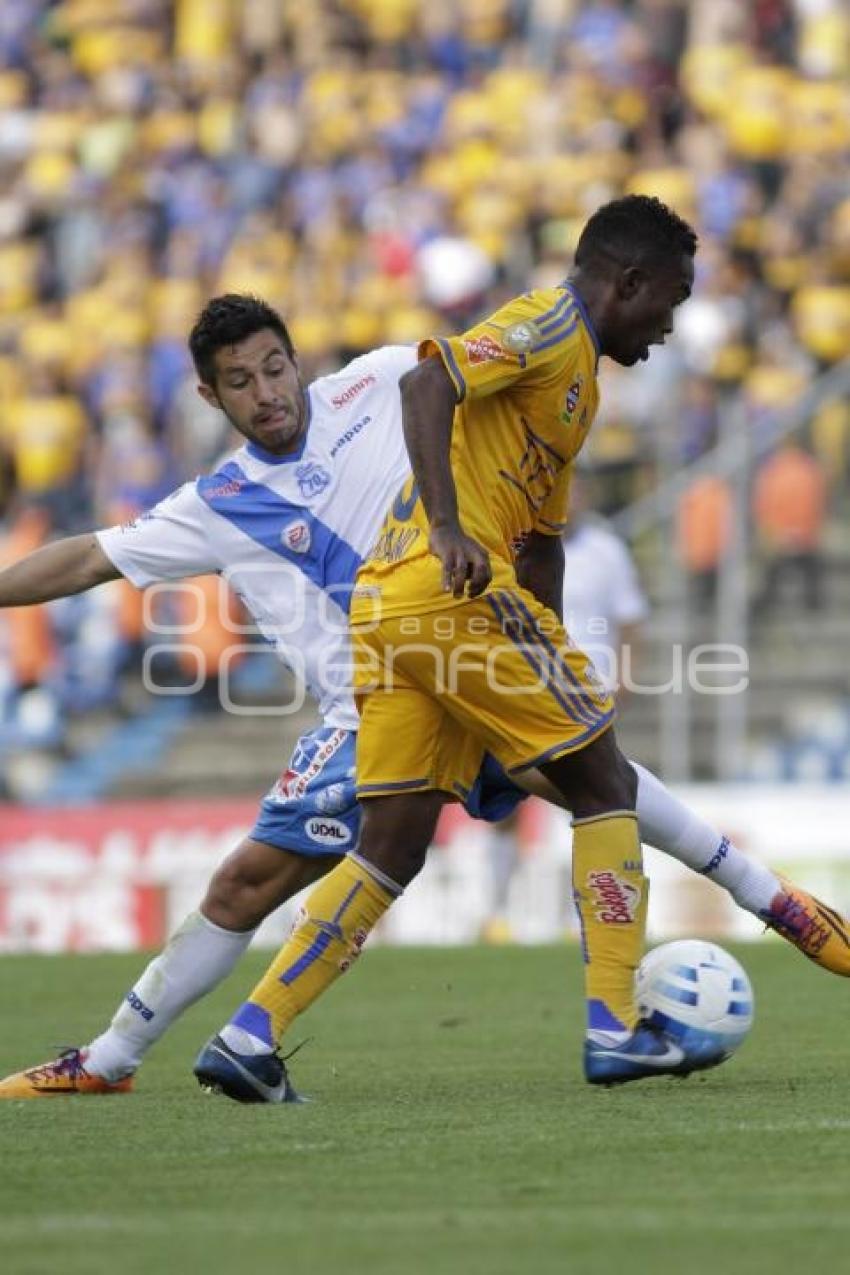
(698, 994)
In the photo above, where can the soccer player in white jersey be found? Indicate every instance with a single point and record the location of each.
(287, 519)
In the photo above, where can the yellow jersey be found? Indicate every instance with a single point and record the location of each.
(527, 395)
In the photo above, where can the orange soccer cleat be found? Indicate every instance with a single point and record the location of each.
(819, 932)
(63, 1075)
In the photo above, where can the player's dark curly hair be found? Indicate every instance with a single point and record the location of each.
(226, 320)
(635, 230)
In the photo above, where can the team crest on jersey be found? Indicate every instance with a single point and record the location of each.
(483, 349)
(296, 536)
(572, 400)
(521, 337)
(312, 479)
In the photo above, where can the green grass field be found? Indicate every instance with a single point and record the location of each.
(451, 1132)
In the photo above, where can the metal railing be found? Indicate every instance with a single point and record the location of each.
(734, 458)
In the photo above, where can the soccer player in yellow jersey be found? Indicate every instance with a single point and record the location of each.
(455, 618)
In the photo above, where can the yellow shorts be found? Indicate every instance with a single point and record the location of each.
(495, 673)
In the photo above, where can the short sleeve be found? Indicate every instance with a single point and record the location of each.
(552, 515)
(526, 340)
(392, 361)
(169, 542)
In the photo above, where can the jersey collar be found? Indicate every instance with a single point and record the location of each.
(271, 458)
(585, 317)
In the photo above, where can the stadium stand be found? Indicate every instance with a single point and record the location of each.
(379, 169)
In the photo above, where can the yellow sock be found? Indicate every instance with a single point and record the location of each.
(329, 932)
(611, 895)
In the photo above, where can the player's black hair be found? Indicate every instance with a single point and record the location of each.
(638, 230)
(227, 320)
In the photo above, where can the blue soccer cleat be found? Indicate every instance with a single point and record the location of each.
(647, 1052)
(243, 1077)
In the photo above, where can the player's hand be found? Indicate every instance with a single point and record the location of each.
(466, 563)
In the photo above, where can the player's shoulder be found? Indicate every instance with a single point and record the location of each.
(183, 499)
(536, 320)
(378, 370)
(230, 479)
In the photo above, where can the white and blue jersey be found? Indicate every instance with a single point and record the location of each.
(288, 533)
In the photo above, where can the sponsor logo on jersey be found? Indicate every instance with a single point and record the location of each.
(521, 337)
(483, 349)
(349, 434)
(312, 479)
(229, 487)
(615, 900)
(327, 832)
(296, 536)
(341, 400)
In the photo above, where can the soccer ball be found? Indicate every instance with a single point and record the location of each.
(698, 994)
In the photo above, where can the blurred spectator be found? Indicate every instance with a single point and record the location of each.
(382, 168)
(703, 533)
(789, 508)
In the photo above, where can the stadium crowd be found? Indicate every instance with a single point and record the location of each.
(381, 169)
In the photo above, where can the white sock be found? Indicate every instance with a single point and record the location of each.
(244, 1042)
(668, 824)
(195, 959)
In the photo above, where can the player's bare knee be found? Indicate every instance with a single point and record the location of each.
(254, 880)
(595, 780)
(230, 900)
(397, 832)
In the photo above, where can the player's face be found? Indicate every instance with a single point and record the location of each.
(258, 387)
(646, 303)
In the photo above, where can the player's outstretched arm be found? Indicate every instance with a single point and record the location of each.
(56, 571)
(540, 569)
(429, 400)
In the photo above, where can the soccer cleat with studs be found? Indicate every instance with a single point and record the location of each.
(61, 1076)
(243, 1077)
(649, 1051)
(818, 931)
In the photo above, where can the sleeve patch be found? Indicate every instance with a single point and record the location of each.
(521, 338)
(483, 349)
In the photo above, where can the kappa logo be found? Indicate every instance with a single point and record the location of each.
(136, 1003)
(483, 349)
(717, 858)
(296, 536)
(312, 479)
(328, 832)
(615, 900)
(350, 434)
